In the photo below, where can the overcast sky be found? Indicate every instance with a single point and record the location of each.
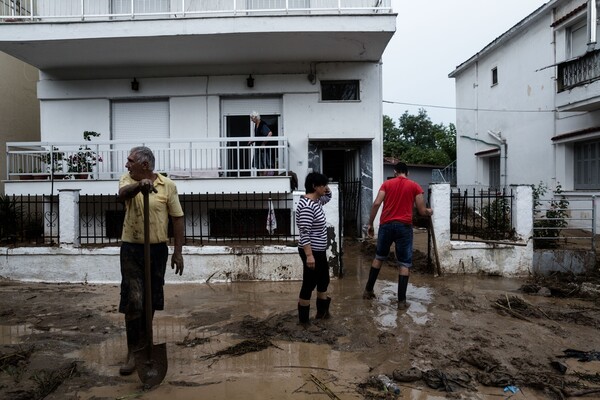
(432, 38)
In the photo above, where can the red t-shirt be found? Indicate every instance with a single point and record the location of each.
(400, 193)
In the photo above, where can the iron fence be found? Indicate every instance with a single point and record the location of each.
(248, 218)
(482, 215)
(100, 219)
(29, 220)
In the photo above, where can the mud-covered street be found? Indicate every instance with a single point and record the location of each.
(462, 337)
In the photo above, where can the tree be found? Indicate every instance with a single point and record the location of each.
(417, 140)
(392, 143)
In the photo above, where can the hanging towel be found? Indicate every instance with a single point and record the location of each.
(271, 220)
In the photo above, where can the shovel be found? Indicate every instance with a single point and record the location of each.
(435, 249)
(150, 360)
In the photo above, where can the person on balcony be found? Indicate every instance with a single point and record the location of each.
(164, 202)
(398, 196)
(312, 226)
(262, 157)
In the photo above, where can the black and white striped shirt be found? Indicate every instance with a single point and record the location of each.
(311, 222)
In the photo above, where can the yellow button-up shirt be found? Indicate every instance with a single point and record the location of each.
(162, 204)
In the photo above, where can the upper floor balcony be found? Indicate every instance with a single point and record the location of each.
(64, 35)
(213, 165)
(578, 83)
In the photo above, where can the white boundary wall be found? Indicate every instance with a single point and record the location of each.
(70, 263)
(477, 257)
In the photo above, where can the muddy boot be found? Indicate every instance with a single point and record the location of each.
(323, 308)
(369, 294)
(129, 366)
(134, 334)
(402, 286)
(303, 315)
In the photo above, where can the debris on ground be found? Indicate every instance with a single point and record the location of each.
(239, 349)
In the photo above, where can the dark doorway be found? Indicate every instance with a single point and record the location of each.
(341, 165)
(238, 159)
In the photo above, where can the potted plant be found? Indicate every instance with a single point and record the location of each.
(53, 161)
(82, 163)
(24, 176)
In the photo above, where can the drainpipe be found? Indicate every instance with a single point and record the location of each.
(591, 24)
(503, 155)
(481, 141)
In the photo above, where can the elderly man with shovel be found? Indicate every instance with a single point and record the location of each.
(149, 199)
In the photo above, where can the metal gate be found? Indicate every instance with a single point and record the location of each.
(350, 203)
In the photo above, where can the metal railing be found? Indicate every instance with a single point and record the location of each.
(222, 219)
(110, 10)
(582, 70)
(446, 175)
(562, 223)
(217, 219)
(482, 215)
(199, 158)
(29, 220)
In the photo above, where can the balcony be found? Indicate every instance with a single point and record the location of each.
(95, 10)
(64, 35)
(578, 83)
(216, 165)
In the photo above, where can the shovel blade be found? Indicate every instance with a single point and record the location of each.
(151, 371)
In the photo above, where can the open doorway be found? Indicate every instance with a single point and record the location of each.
(240, 157)
(342, 166)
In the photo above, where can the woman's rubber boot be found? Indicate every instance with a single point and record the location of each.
(303, 315)
(323, 308)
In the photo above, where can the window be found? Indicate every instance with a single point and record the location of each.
(494, 171)
(339, 90)
(494, 76)
(587, 165)
(577, 40)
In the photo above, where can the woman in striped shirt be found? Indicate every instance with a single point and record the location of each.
(311, 223)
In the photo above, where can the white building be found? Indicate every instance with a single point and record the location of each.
(182, 76)
(529, 103)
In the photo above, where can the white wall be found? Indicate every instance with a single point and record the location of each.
(524, 84)
(70, 107)
(478, 257)
(69, 263)
(526, 65)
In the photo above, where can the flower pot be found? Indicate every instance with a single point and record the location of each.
(81, 176)
(26, 177)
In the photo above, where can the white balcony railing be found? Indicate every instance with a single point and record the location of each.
(95, 10)
(180, 159)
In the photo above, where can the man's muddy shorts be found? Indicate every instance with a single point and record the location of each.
(132, 277)
(402, 235)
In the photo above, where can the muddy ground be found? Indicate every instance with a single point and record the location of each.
(471, 337)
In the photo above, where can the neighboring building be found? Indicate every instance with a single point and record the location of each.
(422, 174)
(19, 107)
(528, 104)
(183, 77)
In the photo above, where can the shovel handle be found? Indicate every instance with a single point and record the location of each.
(435, 249)
(147, 274)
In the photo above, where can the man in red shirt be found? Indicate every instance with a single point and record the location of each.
(398, 196)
